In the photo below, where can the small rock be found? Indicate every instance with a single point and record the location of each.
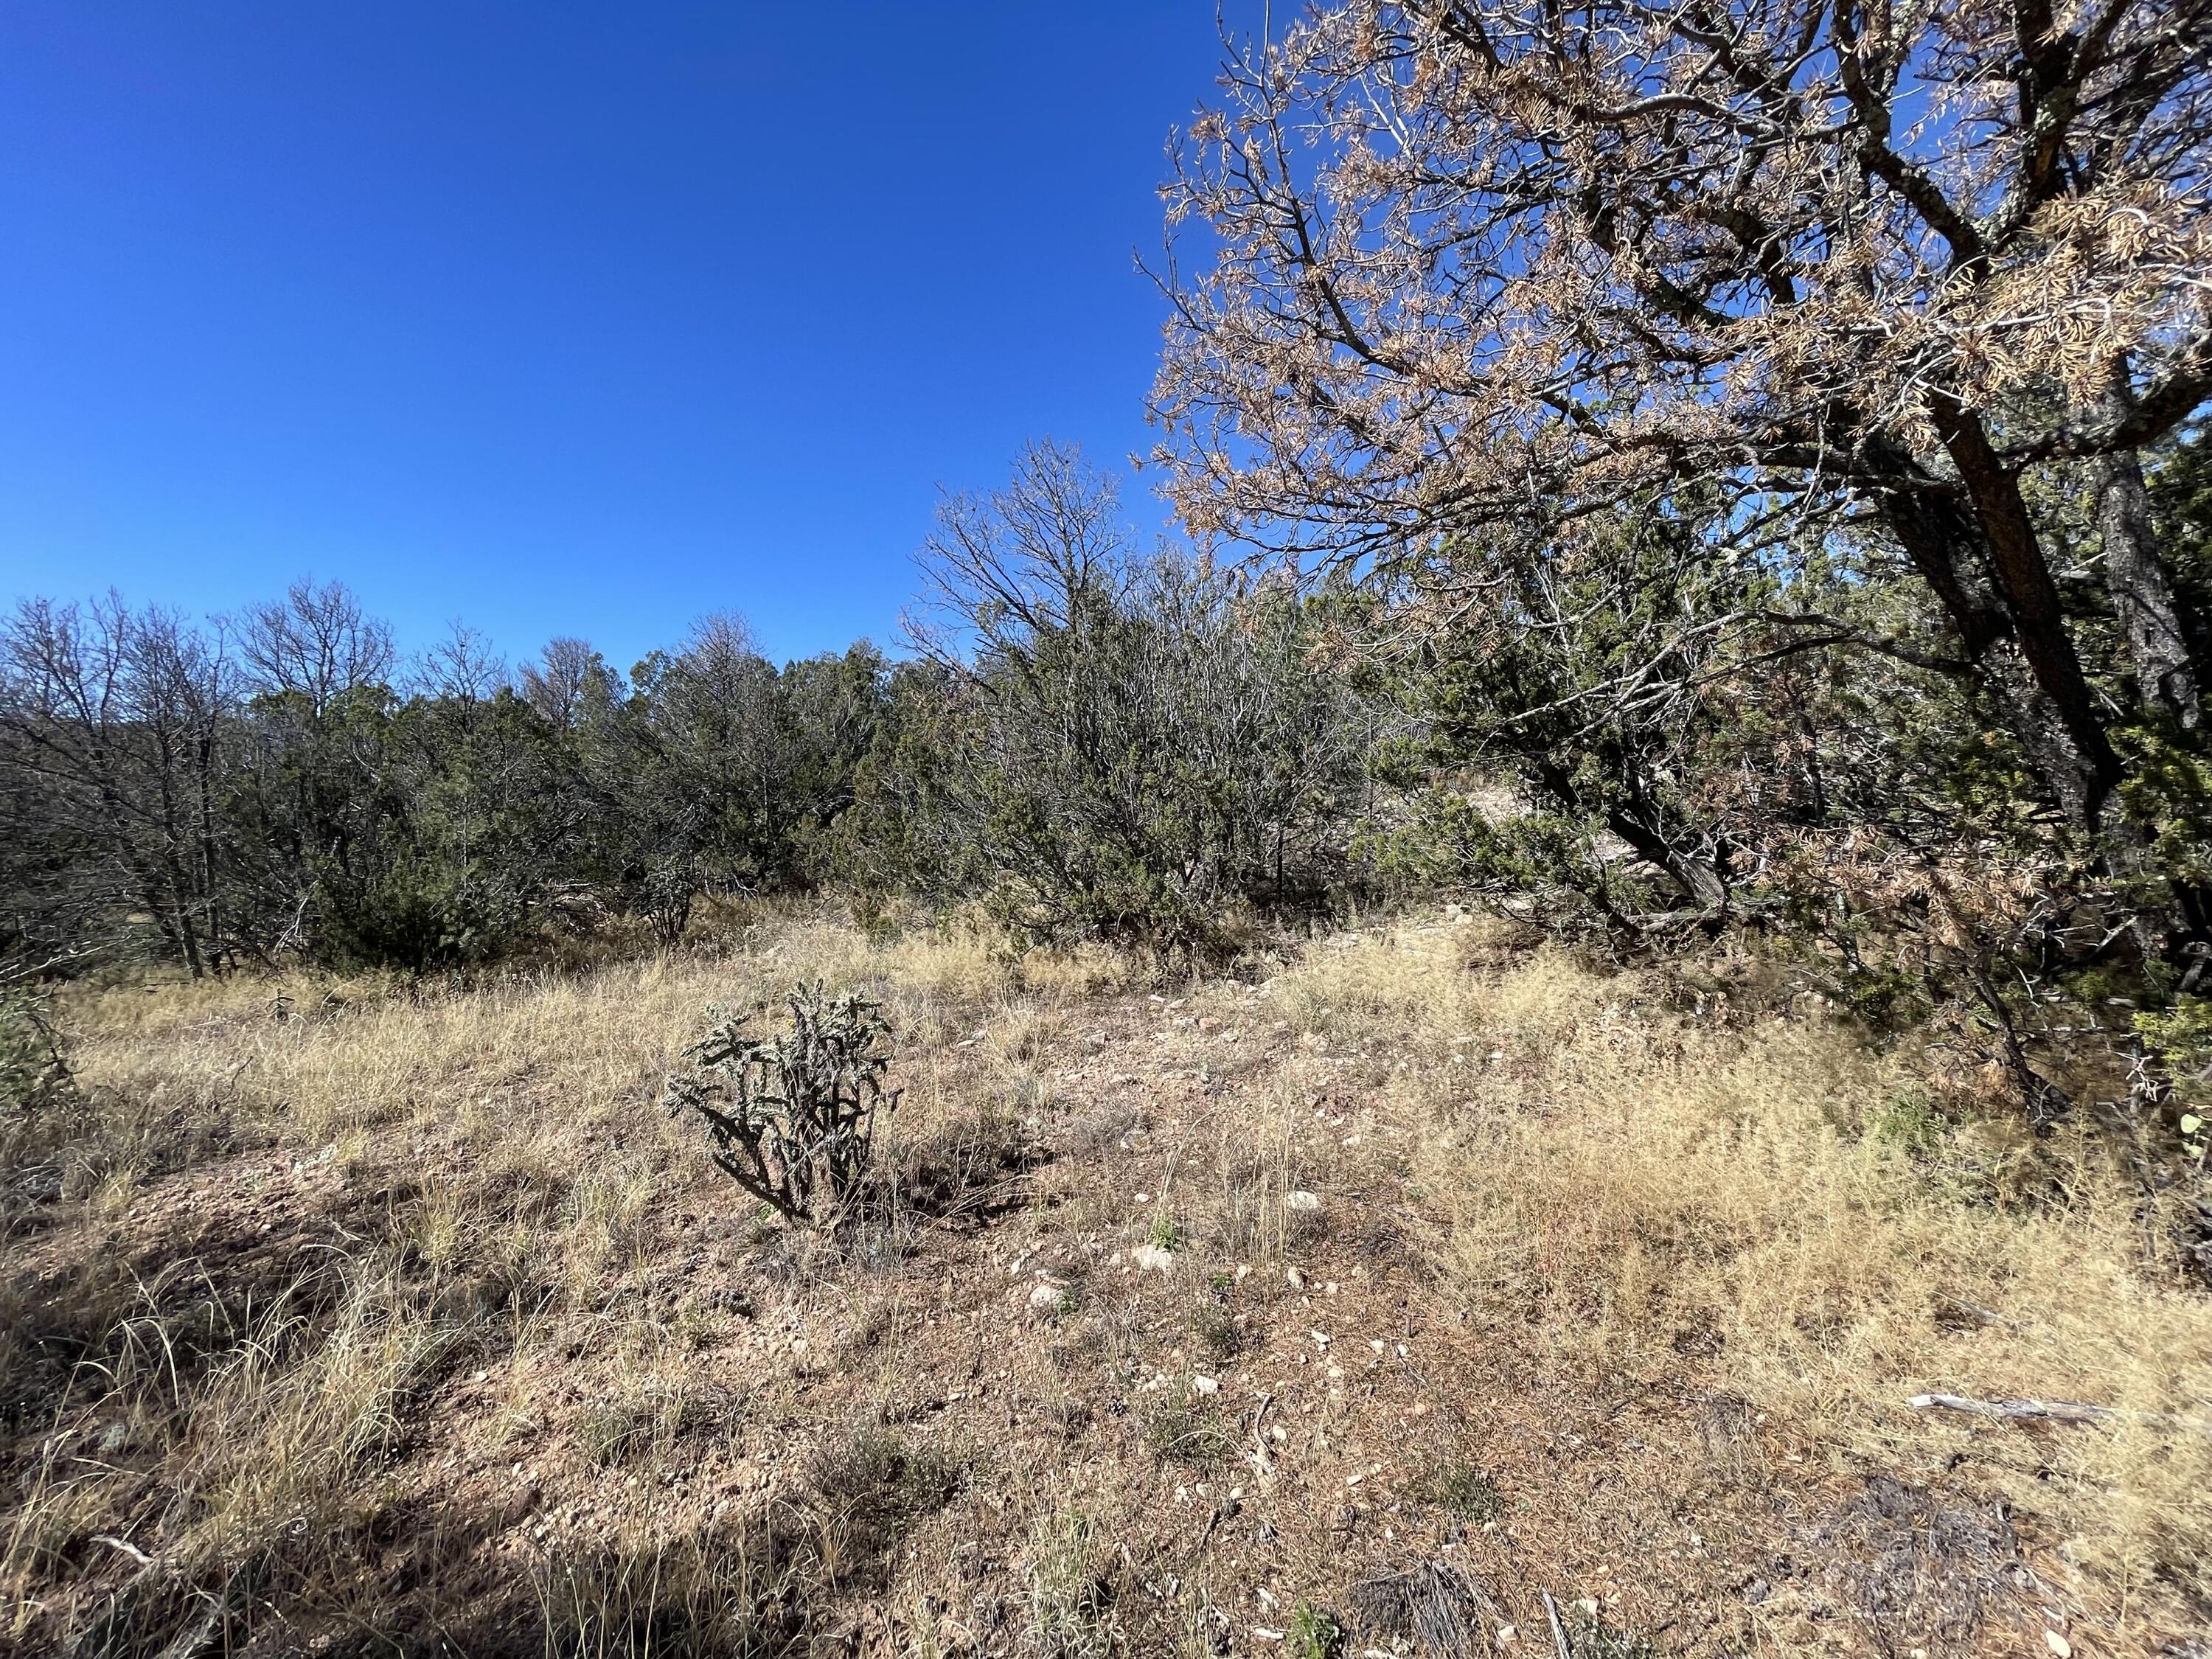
(1303, 1202)
(1297, 1279)
(1045, 1300)
(1205, 1385)
(2058, 1645)
(1152, 1259)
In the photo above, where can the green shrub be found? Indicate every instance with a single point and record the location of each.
(1313, 1633)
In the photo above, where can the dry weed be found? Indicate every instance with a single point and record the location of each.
(1645, 1195)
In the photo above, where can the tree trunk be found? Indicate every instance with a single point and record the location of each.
(2142, 592)
(2015, 557)
(1944, 548)
(1698, 879)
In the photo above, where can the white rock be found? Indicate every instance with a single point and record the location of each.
(1152, 1259)
(1297, 1279)
(1303, 1202)
(1045, 1300)
(1205, 1385)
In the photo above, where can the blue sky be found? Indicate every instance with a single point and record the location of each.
(563, 319)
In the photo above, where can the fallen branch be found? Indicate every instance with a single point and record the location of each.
(2050, 1411)
(2056, 1411)
(1262, 1464)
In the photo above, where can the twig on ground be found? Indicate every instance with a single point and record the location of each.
(2058, 1411)
(125, 1546)
(1558, 1630)
(1263, 1464)
(2050, 1410)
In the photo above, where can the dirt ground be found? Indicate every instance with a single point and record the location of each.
(1143, 1347)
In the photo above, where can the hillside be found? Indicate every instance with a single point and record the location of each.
(1373, 1294)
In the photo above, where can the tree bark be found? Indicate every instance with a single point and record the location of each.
(2031, 596)
(1945, 547)
(2142, 592)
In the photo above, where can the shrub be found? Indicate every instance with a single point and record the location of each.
(421, 917)
(1458, 1488)
(1145, 750)
(1313, 1633)
(791, 1118)
(1183, 1425)
(32, 1069)
(872, 1474)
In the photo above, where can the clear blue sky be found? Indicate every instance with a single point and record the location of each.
(563, 319)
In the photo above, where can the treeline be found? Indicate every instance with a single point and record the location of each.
(1096, 743)
(1634, 733)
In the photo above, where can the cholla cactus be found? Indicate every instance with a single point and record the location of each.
(791, 1118)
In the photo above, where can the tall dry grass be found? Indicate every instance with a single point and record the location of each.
(203, 1435)
(505, 1162)
(1790, 1215)
(1773, 1209)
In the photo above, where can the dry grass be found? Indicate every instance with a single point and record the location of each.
(345, 1276)
(1782, 1213)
